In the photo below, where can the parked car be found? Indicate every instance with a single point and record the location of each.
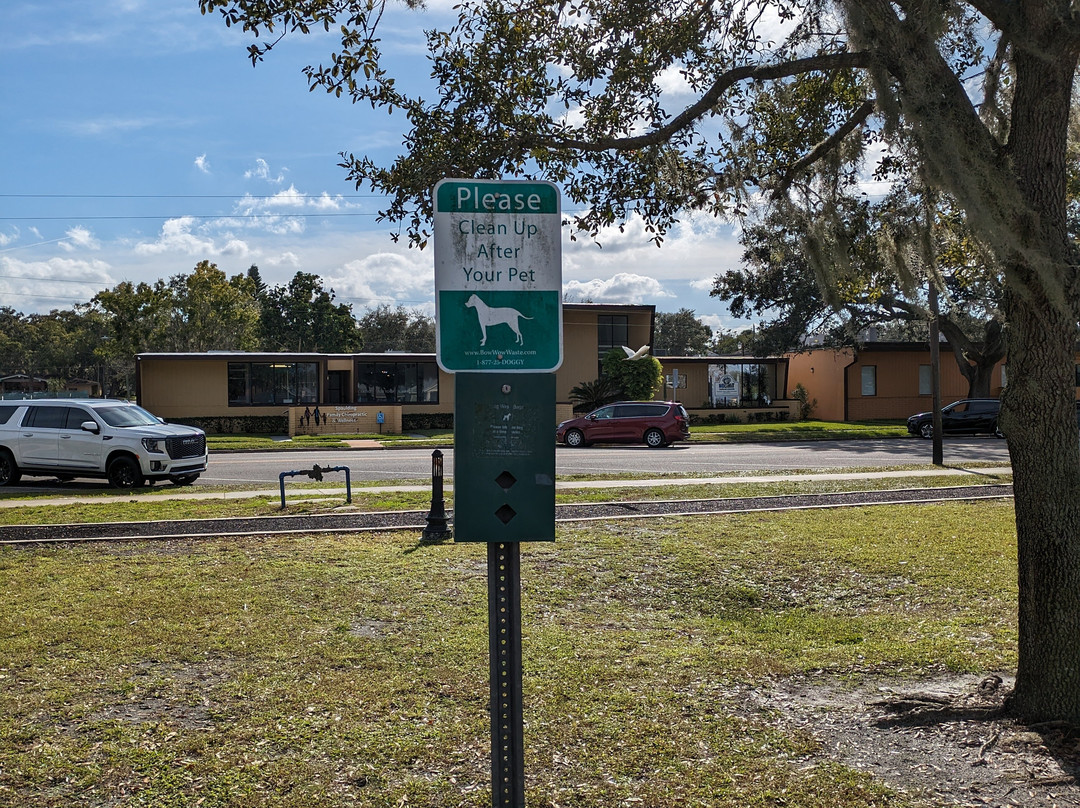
(654, 423)
(116, 440)
(969, 416)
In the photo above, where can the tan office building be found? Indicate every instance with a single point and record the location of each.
(363, 392)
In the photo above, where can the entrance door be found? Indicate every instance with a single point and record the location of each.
(337, 381)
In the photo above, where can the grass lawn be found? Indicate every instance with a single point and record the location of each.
(352, 671)
(797, 430)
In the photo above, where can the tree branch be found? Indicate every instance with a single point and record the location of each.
(824, 147)
(823, 62)
(1001, 13)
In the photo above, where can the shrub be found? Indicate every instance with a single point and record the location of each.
(419, 421)
(638, 379)
(806, 406)
(587, 396)
(238, 424)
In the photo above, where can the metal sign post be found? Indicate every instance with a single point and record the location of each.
(498, 316)
(504, 494)
(504, 643)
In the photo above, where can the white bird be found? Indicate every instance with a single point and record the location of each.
(640, 352)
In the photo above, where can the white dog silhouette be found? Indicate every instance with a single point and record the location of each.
(492, 315)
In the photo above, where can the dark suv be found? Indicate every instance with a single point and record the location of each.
(969, 416)
(654, 423)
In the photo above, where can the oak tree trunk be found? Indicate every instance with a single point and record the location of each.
(1038, 406)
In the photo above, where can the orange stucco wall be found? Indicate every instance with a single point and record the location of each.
(897, 375)
(821, 372)
(835, 379)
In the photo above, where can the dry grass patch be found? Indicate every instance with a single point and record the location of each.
(352, 670)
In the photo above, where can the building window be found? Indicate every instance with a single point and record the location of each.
(273, 383)
(612, 331)
(742, 385)
(926, 381)
(869, 380)
(239, 387)
(397, 383)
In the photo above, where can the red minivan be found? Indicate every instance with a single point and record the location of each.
(654, 423)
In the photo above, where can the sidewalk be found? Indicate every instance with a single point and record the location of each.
(337, 490)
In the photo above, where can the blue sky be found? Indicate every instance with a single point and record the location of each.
(138, 140)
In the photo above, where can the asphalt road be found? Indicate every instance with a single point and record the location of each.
(415, 464)
(372, 465)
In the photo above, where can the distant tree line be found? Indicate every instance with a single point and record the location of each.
(200, 311)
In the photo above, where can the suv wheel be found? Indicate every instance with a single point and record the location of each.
(927, 430)
(124, 472)
(9, 470)
(575, 438)
(655, 438)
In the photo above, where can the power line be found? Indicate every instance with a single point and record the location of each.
(81, 217)
(178, 196)
(49, 280)
(44, 297)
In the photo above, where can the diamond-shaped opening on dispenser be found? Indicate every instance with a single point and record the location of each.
(505, 480)
(505, 514)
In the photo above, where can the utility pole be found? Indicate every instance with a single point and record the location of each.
(930, 256)
(935, 373)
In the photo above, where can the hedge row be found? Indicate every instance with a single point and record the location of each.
(762, 416)
(238, 424)
(416, 421)
(279, 424)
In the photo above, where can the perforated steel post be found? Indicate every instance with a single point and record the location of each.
(507, 723)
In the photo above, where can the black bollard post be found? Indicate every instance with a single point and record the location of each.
(437, 526)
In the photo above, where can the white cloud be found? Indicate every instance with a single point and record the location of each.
(264, 213)
(180, 236)
(262, 172)
(235, 248)
(202, 164)
(52, 283)
(105, 125)
(287, 198)
(694, 251)
(287, 258)
(385, 278)
(326, 202)
(720, 324)
(79, 237)
(672, 82)
(281, 226)
(623, 287)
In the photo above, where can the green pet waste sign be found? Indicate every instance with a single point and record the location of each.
(498, 276)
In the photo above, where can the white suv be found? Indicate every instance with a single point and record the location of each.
(66, 438)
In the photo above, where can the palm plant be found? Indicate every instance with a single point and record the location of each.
(590, 395)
